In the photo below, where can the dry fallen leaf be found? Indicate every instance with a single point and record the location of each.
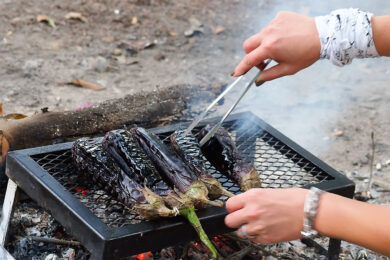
(14, 116)
(134, 20)
(1, 109)
(45, 19)
(86, 84)
(338, 133)
(172, 34)
(217, 29)
(76, 16)
(140, 45)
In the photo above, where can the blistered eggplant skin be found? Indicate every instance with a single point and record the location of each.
(122, 147)
(164, 159)
(173, 169)
(89, 158)
(221, 151)
(188, 149)
(131, 158)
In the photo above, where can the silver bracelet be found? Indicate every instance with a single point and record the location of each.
(310, 210)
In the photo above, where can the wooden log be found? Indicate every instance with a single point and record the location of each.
(143, 108)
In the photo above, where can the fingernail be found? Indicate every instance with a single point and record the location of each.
(232, 74)
(259, 81)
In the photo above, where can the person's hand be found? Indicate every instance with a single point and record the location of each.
(290, 39)
(269, 215)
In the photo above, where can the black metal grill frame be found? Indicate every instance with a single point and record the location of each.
(108, 242)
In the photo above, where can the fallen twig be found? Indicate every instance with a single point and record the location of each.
(54, 241)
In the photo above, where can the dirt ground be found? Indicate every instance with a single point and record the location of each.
(136, 45)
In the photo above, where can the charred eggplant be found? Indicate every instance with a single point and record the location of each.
(188, 149)
(122, 147)
(89, 158)
(172, 168)
(221, 151)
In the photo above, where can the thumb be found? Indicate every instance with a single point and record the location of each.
(274, 72)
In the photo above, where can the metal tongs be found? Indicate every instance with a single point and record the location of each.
(218, 125)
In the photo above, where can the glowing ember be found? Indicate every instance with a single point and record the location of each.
(143, 256)
(81, 189)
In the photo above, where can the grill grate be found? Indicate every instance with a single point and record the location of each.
(104, 225)
(277, 164)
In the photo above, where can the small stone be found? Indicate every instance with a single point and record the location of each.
(159, 56)
(121, 59)
(102, 82)
(117, 52)
(374, 194)
(32, 64)
(379, 166)
(52, 257)
(387, 162)
(195, 27)
(365, 159)
(100, 64)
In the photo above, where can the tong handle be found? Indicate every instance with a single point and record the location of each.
(218, 125)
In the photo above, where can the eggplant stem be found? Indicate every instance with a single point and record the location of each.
(190, 215)
(218, 204)
(227, 193)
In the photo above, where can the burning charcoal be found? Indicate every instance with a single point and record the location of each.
(188, 149)
(221, 151)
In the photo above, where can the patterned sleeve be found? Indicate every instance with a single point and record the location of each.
(346, 34)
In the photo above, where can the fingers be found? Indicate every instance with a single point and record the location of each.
(252, 59)
(235, 203)
(274, 72)
(252, 43)
(235, 219)
(234, 206)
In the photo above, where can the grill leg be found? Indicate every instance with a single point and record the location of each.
(10, 200)
(334, 248)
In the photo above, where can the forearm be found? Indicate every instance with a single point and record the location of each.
(360, 223)
(381, 34)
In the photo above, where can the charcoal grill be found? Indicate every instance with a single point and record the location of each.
(109, 230)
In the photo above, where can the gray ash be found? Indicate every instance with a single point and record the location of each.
(30, 220)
